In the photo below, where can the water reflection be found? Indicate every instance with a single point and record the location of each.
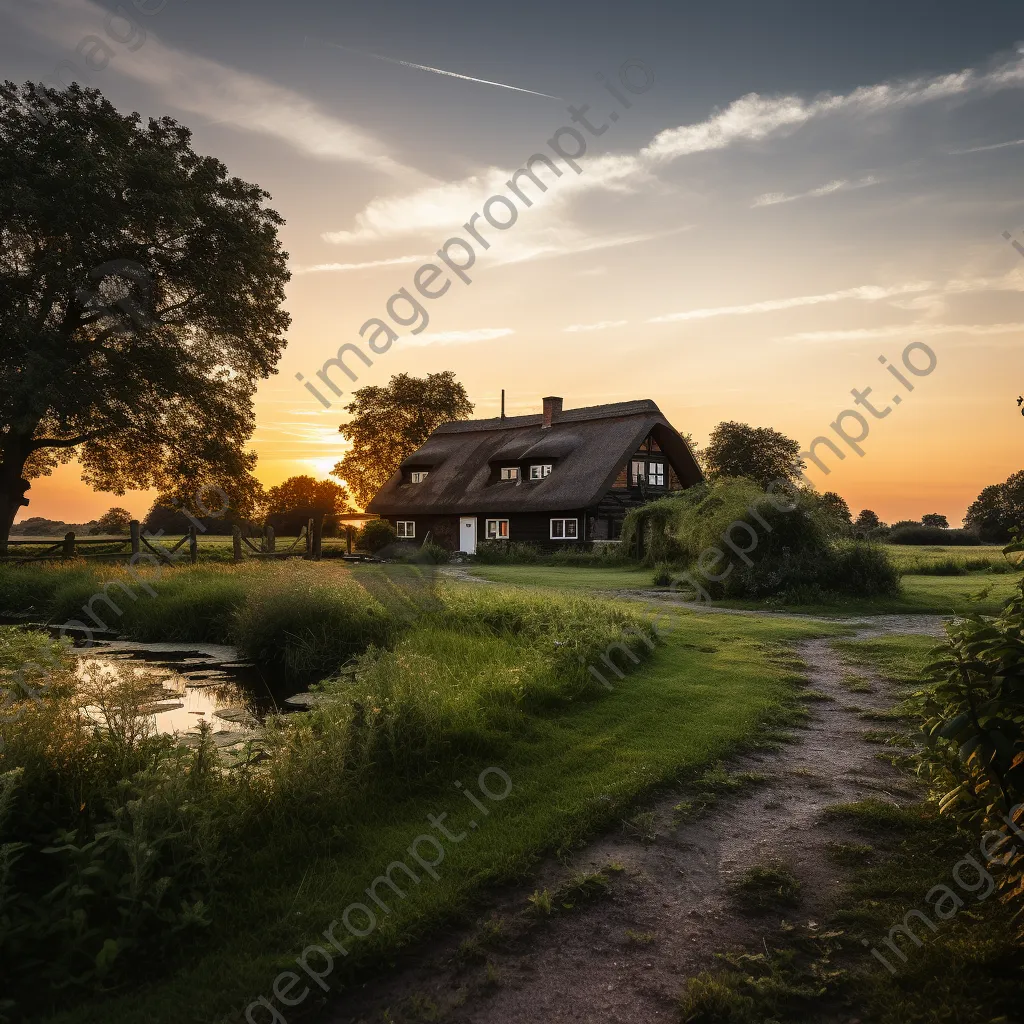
(191, 684)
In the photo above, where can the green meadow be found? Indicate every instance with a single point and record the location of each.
(937, 581)
(268, 853)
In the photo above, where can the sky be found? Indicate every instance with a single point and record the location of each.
(789, 194)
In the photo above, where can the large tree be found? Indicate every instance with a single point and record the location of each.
(998, 510)
(867, 520)
(757, 453)
(140, 299)
(302, 492)
(389, 423)
(835, 507)
(114, 520)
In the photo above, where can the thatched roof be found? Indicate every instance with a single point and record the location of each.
(586, 447)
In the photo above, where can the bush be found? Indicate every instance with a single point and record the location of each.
(376, 534)
(918, 534)
(792, 554)
(602, 556)
(662, 575)
(504, 552)
(974, 724)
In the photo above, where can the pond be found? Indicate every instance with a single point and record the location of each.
(194, 683)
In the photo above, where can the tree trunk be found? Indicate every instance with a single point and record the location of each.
(12, 498)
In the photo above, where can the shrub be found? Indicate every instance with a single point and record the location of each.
(504, 552)
(433, 554)
(791, 553)
(974, 724)
(919, 534)
(662, 575)
(376, 534)
(108, 849)
(601, 556)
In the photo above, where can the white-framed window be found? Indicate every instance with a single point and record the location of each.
(419, 475)
(406, 529)
(539, 472)
(496, 529)
(509, 472)
(656, 473)
(564, 529)
(639, 471)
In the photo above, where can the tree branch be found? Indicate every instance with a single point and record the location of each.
(67, 442)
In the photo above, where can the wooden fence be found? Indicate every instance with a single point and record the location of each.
(312, 533)
(137, 543)
(71, 547)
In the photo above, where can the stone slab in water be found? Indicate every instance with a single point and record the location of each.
(237, 716)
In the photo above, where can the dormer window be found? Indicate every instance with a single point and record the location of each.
(539, 472)
(418, 475)
(656, 473)
(509, 472)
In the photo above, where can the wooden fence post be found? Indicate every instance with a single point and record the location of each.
(268, 533)
(309, 539)
(69, 544)
(193, 546)
(318, 538)
(236, 543)
(133, 529)
(349, 533)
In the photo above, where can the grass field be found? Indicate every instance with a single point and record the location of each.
(915, 559)
(714, 686)
(479, 687)
(984, 593)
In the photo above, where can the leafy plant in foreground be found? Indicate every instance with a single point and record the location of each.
(974, 724)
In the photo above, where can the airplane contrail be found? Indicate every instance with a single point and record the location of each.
(441, 71)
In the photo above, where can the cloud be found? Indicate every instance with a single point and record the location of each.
(753, 118)
(908, 331)
(458, 337)
(220, 93)
(601, 325)
(863, 293)
(830, 188)
(368, 265)
(440, 209)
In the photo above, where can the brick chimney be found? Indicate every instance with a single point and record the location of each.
(552, 410)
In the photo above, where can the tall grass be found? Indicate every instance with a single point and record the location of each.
(115, 842)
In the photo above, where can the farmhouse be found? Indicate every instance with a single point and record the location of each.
(560, 477)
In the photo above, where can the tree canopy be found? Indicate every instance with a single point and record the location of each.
(140, 299)
(302, 492)
(835, 506)
(757, 453)
(114, 520)
(389, 423)
(998, 510)
(935, 519)
(867, 520)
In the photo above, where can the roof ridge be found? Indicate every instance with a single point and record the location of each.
(586, 412)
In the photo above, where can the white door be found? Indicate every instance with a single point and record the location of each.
(467, 535)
